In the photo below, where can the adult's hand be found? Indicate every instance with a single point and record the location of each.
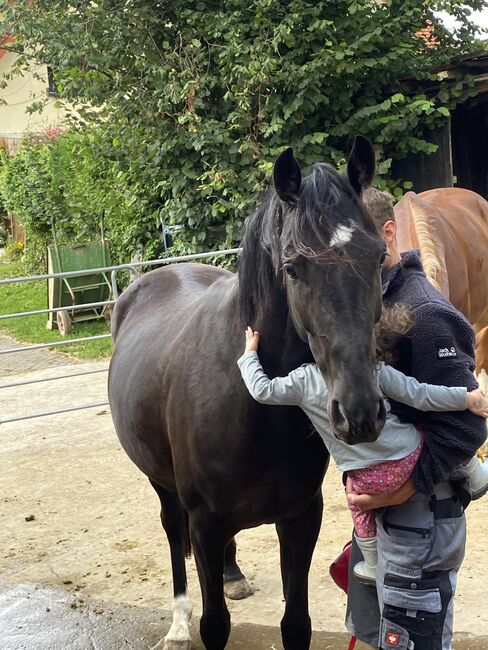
(372, 501)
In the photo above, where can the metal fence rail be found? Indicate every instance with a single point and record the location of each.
(39, 381)
(134, 269)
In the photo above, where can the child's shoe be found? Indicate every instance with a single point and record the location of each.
(366, 571)
(478, 477)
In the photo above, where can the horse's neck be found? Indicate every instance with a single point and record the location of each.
(280, 350)
(262, 295)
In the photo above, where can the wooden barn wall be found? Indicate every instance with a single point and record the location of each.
(428, 171)
(470, 147)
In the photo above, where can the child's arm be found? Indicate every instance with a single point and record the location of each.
(430, 397)
(281, 390)
(477, 403)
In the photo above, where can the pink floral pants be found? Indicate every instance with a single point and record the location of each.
(380, 479)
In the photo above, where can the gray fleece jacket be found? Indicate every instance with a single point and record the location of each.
(439, 349)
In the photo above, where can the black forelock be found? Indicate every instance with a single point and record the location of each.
(325, 197)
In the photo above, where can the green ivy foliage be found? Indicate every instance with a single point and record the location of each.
(191, 101)
(68, 184)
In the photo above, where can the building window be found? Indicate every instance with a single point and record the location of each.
(52, 89)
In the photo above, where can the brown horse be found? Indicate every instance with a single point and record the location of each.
(309, 281)
(450, 227)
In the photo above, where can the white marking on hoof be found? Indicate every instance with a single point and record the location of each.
(237, 589)
(341, 235)
(175, 645)
(178, 637)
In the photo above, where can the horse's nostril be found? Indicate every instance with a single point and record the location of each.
(338, 416)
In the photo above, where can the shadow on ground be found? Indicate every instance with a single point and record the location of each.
(49, 619)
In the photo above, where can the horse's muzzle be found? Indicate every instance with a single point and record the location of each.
(361, 425)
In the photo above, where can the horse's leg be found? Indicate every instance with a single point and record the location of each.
(236, 586)
(175, 524)
(209, 540)
(297, 542)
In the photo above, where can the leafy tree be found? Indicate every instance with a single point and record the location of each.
(193, 100)
(66, 183)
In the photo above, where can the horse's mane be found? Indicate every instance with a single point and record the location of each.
(428, 253)
(307, 233)
(256, 266)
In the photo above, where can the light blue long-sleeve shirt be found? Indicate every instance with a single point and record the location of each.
(305, 387)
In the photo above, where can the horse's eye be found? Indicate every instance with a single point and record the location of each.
(382, 259)
(290, 269)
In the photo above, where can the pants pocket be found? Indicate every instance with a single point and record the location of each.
(393, 636)
(449, 545)
(404, 545)
(413, 599)
(417, 606)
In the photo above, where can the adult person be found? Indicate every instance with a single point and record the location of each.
(422, 527)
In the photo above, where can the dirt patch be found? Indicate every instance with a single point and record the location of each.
(77, 517)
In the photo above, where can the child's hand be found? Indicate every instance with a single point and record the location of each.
(477, 403)
(252, 340)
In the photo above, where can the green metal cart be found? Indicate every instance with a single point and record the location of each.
(75, 291)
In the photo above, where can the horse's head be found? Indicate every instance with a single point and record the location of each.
(331, 259)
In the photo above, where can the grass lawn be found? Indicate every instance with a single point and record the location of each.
(29, 296)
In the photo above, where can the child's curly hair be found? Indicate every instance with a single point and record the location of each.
(394, 323)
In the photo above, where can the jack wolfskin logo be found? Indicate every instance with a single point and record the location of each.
(445, 353)
(392, 638)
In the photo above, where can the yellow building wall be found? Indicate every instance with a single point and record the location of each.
(19, 93)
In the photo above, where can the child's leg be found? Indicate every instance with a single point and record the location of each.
(384, 478)
(379, 479)
(365, 534)
(364, 522)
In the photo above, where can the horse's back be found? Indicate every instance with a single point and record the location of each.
(458, 204)
(450, 227)
(168, 290)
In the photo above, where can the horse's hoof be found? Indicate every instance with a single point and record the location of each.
(237, 589)
(172, 644)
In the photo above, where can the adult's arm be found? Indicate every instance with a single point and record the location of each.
(287, 390)
(442, 352)
(374, 501)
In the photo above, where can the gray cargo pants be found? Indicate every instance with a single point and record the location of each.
(420, 550)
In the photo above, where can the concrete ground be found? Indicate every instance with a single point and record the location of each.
(83, 561)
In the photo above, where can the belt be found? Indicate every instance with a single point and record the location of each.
(445, 503)
(443, 490)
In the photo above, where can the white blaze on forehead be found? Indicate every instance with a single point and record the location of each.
(341, 235)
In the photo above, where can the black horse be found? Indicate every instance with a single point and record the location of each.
(309, 281)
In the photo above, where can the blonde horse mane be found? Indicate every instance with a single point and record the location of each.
(430, 260)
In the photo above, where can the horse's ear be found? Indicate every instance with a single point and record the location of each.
(361, 164)
(287, 176)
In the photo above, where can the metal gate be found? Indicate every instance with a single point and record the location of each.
(134, 269)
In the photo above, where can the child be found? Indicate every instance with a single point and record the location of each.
(386, 464)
